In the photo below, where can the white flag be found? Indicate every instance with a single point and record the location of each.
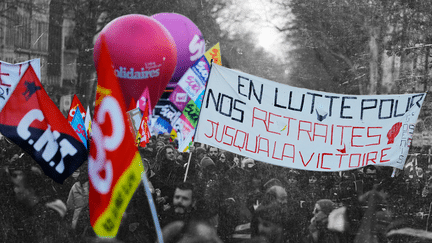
(10, 75)
(87, 120)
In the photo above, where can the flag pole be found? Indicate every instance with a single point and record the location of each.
(152, 207)
(427, 221)
(187, 167)
(190, 154)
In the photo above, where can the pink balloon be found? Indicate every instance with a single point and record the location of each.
(143, 53)
(188, 38)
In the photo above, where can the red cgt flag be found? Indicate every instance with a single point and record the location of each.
(144, 131)
(76, 103)
(32, 121)
(115, 166)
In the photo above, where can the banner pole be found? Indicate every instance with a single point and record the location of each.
(187, 167)
(205, 90)
(427, 221)
(193, 137)
(152, 207)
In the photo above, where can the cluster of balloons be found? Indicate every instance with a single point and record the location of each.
(150, 51)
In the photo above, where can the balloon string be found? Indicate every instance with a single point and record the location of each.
(159, 83)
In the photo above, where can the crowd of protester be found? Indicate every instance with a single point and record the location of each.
(210, 195)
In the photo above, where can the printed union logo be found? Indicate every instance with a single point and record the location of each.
(181, 97)
(123, 72)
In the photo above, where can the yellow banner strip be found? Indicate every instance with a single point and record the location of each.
(108, 223)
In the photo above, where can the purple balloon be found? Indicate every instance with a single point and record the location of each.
(188, 39)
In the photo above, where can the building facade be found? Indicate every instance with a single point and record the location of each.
(40, 29)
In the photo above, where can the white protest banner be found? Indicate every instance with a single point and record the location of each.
(305, 129)
(11, 74)
(134, 117)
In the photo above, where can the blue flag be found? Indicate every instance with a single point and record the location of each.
(79, 126)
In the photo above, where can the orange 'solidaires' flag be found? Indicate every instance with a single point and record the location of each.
(75, 103)
(115, 165)
(214, 54)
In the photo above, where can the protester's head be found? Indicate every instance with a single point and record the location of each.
(76, 174)
(159, 145)
(222, 157)
(81, 174)
(206, 162)
(256, 178)
(207, 169)
(146, 165)
(170, 153)
(292, 176)
(236, 161)
(272, 182)
(276, 194)
(324, 205)
(27, 182)
(183, 200)
(152, 140)
(182, 157)
(370, 172)
(247, 163)
(271, 220)
(165, 137)
(312, 179)
(167, 153)
(213, 153)
(200, 152)
(229, 158)
(190, 232)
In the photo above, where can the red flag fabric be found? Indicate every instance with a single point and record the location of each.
(114, 162)
(132, 104)
(32, 121)
(145, 100)
(75, 103)
(144, 131)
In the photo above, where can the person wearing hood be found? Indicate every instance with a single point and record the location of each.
(318, 231)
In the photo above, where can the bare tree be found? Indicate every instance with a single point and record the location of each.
(355, 34)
